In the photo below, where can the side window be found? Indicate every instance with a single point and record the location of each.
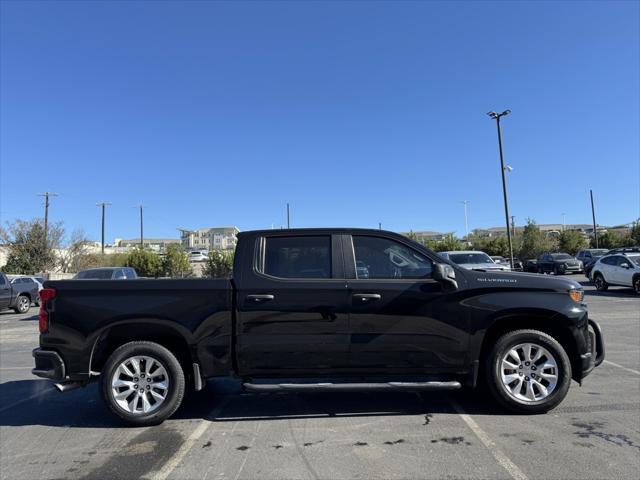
(383, 258)
(297, 257)
(609, 260)
(620, 260)
(2, 280)
(130, 273)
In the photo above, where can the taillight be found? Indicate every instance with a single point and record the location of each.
(46, 294)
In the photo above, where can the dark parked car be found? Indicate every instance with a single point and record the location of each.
(107, 273)
(531, 265)
(559, 263)
(18, 294)
(301, 313)
(589, 257)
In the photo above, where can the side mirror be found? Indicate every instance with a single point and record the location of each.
(121, 277)
(625, 265)
(445, 273)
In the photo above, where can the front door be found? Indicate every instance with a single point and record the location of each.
(400, 319)
(292, 308)
(5, 292)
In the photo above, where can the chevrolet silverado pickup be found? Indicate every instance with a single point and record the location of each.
(320, 309)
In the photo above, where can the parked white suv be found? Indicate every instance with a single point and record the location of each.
(617, 269)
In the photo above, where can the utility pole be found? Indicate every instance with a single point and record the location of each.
(379, 225)
(466, 218)
(288, 217)
(563, 222)
(513, 225)
(46, 196)
(593, 214)
(496, 117)
(103, 205)
(141, 206)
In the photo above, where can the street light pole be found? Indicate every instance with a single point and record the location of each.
(466, 218)
(103, 205)
(496, 117)
(141, 206)
(593, 214)
(288, 217)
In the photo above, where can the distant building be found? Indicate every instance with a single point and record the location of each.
(549, 229)
(424, 236)
(213, 238)
(158, 245)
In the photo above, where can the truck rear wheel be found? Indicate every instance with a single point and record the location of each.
(528, 371)
(143, 383)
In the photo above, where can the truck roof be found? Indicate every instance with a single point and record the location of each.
(325, 230)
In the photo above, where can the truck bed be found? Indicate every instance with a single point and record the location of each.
(198, 310)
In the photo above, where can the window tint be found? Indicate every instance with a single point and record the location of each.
(383, 258)
(298, 257)
(609, 260)
(620, 260)
(130, 273)
(2, 280)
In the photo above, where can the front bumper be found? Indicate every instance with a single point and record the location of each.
(595, 356)
(49, 364)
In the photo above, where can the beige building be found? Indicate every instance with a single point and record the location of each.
(213, 238)
(158, 245)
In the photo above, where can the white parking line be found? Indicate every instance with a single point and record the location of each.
(623, 368)
(498, 454)
(175, 460)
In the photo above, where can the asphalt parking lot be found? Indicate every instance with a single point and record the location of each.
(225, 433)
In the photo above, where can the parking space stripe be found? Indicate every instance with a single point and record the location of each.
(623, 368)
(498, 454)
(175, 460)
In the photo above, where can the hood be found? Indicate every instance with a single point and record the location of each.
(519, 280)
(485, 266)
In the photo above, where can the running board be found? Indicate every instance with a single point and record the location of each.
(350, 387)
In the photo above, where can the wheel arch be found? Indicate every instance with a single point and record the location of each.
(166, 334)
(551, 323)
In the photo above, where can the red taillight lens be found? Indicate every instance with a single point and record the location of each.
(46, 294)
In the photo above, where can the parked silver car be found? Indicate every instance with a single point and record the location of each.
(474, 260)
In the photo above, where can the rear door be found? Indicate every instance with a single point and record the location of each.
(401, 319)
(292, 306)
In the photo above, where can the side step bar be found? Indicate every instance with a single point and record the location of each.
(350, 387)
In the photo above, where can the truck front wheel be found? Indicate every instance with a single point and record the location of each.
(143, 383)
(528, 371)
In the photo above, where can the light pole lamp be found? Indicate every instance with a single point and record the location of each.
(503, 168)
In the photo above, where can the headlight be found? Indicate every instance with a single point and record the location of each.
(576, 295)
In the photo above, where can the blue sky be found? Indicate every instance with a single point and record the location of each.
(215, 113)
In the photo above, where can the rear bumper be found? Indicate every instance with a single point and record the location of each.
(595, 356)
(49, 364)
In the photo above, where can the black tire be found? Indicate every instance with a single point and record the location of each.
(636, 284)
(23, 304)
(493, 375)
(175, 375)
(600, 283)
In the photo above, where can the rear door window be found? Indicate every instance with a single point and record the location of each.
(297, 257)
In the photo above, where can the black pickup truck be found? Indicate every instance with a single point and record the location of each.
(320, 309)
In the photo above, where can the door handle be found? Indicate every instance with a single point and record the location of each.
(367, 297)
(260, 298)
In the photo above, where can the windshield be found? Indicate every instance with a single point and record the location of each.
(598, 253)
(561, 256)
(462, 258)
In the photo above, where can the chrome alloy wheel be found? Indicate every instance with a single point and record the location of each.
(140, 385)
(529, 373)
